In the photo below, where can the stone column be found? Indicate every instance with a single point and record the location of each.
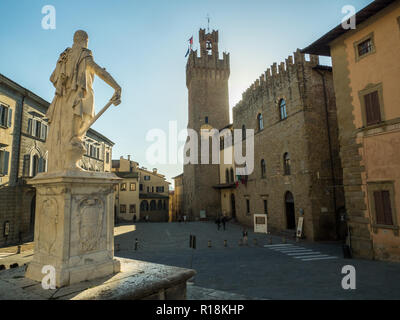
(74, 227)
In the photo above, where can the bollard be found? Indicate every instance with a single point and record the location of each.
(209, 243)
(136, 244)
(19, 250)
(225, 243)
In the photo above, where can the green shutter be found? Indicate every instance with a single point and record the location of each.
(6, 159)
(9, 117)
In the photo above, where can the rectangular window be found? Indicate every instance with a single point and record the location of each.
(123, 187)
(4, 111)
(133, 187)
(383, 208)
(247, 206)
(38, 129)
(107, 157)
(132, 208)
(122, 208)
(372, 108)
(365, 47)
(141, 187)
(146, 178)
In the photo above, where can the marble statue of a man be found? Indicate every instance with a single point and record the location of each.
(72, 108)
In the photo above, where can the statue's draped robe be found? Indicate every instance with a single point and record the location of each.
(74, 97)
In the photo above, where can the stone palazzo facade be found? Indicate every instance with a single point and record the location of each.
(297, 171)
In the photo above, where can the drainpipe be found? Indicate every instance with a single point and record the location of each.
(18, 149)
(329, 140)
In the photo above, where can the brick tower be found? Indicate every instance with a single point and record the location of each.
(207, 82)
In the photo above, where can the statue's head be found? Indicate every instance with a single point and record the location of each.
(81, 38)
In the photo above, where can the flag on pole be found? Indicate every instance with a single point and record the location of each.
(190, 46)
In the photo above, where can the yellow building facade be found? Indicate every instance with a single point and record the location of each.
(366, 68)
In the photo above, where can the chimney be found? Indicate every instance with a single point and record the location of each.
(154, 170)
(129, 157)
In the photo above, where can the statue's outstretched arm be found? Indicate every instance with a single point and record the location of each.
(107, 78)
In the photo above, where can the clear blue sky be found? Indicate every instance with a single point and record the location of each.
(143, 43)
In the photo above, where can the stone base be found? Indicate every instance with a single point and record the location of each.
(137, 280)
(74, 226)
(75, 274)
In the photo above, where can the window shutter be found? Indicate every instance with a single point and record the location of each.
(372, 108)
(379, 208)
(27, 161)
(9, 117)
(387, 208)
(30, 126)
(34, 127)
(6, 160)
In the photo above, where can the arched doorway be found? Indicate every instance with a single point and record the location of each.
(290, 213)
(32, 215)
(233, 206)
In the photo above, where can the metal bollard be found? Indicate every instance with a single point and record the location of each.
(209, 243)
(225, 243)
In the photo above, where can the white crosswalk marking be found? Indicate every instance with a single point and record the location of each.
(299, 253)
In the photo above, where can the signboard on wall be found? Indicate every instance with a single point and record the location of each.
(299, 233)
(260, 223)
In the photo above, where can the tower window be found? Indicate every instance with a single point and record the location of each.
(243, 132)
(282, 109)
(260, 121)
(263, 169)
(209, 47)
(286, 164)
(206, 120)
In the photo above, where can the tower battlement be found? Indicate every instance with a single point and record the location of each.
(207, 65)
(294, 67)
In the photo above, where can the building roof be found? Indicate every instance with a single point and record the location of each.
(177, 177)
(27, 93)
(321, 46)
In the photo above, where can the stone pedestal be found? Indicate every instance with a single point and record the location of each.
(74, 226)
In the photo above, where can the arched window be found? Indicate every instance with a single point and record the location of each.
(243, 132)
(286, 164)
(227, 175)
(263, 169)
(153, 205)
(144, 206)
(282, 109)
(260, 121)
(232, 176)
(160, 205)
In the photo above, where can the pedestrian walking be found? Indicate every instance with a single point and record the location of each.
(224, 222)
(245, 237)
(218, 222)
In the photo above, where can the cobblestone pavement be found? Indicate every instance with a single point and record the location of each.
(279, 271)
